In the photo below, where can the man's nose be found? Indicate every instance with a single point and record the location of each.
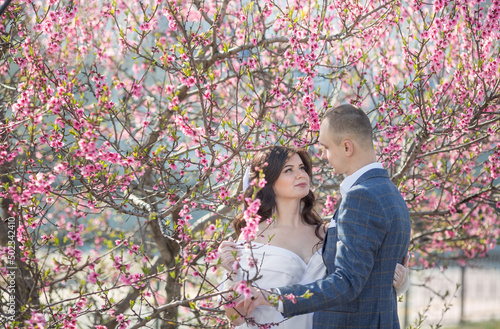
(323, 155)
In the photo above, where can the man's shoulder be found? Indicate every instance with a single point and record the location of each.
(375, 173)
(375, 188)
(373, 181)
(370, 182)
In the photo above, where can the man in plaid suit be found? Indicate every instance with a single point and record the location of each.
(368, 235)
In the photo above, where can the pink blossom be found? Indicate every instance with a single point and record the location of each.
(291, 298)
(210, 229)
(243, 289)
(93, 277)
(146, 26)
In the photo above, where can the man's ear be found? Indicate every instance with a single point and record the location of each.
(348, 147)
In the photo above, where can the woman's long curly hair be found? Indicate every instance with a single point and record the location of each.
(271, 162)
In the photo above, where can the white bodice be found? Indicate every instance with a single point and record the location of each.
(279, 267)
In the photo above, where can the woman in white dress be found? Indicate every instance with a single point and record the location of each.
(287, 248)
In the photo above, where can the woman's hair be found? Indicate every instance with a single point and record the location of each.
(271, 161)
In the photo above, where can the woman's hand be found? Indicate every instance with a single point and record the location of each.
(402, 277)
(234, 313)
(229, 251)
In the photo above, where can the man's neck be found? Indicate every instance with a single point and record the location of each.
(358, 166)
(351, 179)
(364, 158)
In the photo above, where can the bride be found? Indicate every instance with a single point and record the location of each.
(287, 249)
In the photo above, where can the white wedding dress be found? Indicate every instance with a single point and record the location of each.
(279, 267)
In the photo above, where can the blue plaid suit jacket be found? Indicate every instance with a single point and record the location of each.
(372, 234)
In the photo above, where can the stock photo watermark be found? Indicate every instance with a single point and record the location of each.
(11, 271)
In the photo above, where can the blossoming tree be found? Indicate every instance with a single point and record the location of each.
(126, 127)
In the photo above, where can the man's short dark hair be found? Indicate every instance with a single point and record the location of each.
(349, 121)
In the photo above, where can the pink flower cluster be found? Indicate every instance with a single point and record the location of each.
(312, 114)
(211, 256)
(6, 155)
(187, 128)
(249, 232)
(244, 289)
(37, 184)
(70, 318)
(329, 205)
(37, 321)
(74, 233)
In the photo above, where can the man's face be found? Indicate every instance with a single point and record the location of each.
(331, 151)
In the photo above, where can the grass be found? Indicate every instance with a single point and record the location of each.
(493, 324)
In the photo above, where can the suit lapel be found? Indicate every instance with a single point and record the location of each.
(329, 248)
(330, 240)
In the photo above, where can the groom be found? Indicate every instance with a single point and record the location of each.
(368, 235)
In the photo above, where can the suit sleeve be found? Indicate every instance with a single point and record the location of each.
(361, 229)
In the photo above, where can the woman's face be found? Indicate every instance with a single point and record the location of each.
(293, 182)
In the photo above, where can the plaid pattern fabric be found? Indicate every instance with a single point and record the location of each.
(371, 235)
